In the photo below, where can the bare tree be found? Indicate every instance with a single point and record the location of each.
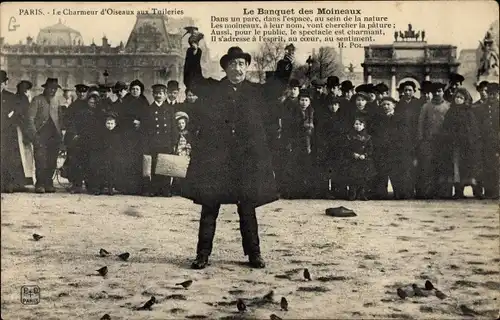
(327, 63)
(267, 56)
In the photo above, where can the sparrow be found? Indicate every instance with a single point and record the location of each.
(124, 256)
(274, 317)
(148, 304)
(106, 317)
(418, 291)
(284, 304)
(401, 293)
(467, 311)
(241, 305)
(37, 237)
(103, 253)
(186, 284)
(439, 294)
(269, 296)
(103, 271)
(307, 275)
(428, 285)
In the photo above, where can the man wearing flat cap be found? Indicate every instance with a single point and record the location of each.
(13, 179)
(44, 130)
(487, 115)
(429, 127)
(160, 132)
(456, 81)
(231, 162)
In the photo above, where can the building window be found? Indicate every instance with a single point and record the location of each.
(40, 61)
(56, 62)
(25, 61)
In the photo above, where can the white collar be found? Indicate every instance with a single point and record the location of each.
(158, 104)
(171, 102)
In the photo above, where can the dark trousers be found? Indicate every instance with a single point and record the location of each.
(159, 185)
(78, 165)
(46, 149)
(248, 228)
(401, 174)
(490, 177)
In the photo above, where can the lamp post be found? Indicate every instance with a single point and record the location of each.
(309, 62)
(106, 75)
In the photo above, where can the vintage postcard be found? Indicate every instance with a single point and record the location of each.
(250, 160)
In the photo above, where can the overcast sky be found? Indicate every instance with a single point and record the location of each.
(460, 23)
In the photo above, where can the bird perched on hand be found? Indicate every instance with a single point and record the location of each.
(307, 275)
(274, 317)
(148, 304)
(284, 304)
(186, 284)
(103, 253)
(103, 271)
(106, 317)
(37, 237)
(124, 256)
(241, 305)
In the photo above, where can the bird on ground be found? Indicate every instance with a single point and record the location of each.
(186, 284)
(274, 317)
(284, 304)
(401, 293)
(418, 291)
(440, 294)
(106, 317)
(269, 296)
(241, 305)
(148, 304)
(307, 275)
(103, 252)
(37, 237)
(124, 256)
(103, 271)
(428, 285)
(468, 311)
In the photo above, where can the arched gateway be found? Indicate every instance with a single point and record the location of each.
(409, 56)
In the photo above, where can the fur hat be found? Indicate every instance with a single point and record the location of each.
(234, 53)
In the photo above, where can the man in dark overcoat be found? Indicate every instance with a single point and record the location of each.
(230, 161)
(13, 179)
(487, 115)
(44, 125)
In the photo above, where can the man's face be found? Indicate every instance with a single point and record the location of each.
(159, 95)
(295, 92)
(483, 92)
(349, 94)
(236, 70)
(318, 89)
(81, 95)
(408, 92)
(172, 95)
(439, 94)
(122, 93)
(51, 91)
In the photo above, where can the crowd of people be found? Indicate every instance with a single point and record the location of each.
(329, 140)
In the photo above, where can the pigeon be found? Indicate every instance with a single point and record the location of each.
(124, 256)
(418, 291)
(439, 294)
(269, 296)
(401, 293)
(106, 317)
(148, 304)
(37, 237)
(428, 285)
(284, 304)
(186, 284)
(241, 305)
(467, 311)
(274, 317)
(103, 253)
(103, 271)
(307, 275)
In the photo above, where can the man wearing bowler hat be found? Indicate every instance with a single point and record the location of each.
(44, 129)
(231, 162)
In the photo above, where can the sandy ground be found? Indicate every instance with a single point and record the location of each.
(356, 263)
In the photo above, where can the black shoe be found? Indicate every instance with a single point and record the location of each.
(256, 261)
(40, 190)
(50, 189)
(201, 262)
(8, 189)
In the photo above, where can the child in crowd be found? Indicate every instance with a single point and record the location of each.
(183, 144)
(360, 167)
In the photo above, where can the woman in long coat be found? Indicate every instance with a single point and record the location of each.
(461, 145)
(130, 114)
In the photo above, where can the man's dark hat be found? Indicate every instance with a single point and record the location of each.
(362, 94)
(119, 86)
(234, 53)
(456, 78)
(51, 82)
(24, 85)
(318, 83)
(426, 86)
(304, 93)
(438, 85)
(158, 86)
(294, 83)
(481, 85)
(104, 88)
(172, 85)
(381, 88)
(340, 212)
(290, 47)
(346, 86)
(332, 81)
(3, 76)
(493, 87)
(391, 99)
(406, 83)
(366, 87)
(81, 88)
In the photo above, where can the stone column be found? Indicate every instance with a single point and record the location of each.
(393, 83)
(369, 79)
